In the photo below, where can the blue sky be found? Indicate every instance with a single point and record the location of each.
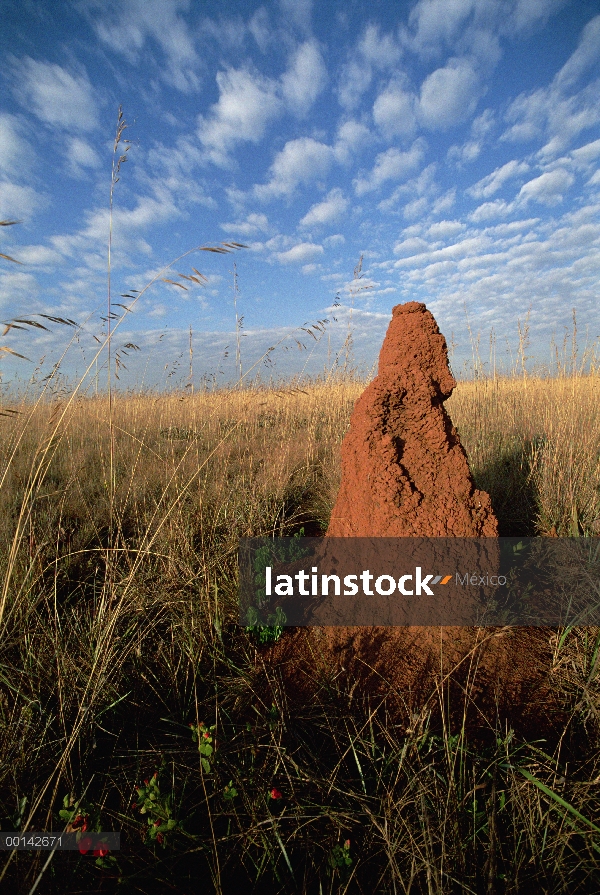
(454, 144)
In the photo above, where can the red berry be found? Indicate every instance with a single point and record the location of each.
(85, 844)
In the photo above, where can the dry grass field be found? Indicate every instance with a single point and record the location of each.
(121, 657)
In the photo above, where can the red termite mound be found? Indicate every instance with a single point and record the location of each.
(404, 470)
(405, 474)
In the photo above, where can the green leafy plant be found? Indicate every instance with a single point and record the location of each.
(340, 860)
(269, 630)
(203, 735)
(269, 633)
(158, 809)
(230, 792)
(83, 818)
(79, 816)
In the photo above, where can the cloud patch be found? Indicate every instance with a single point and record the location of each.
(301, 253)
(549, 188)
(254, 223)
(304, 79)
(490, 184)
(58, 97)
(326, 212)
(81, 156)
(247, 103)
(374, 50)
(300, 161)
(390, 165)
(127, 26)
(393, 110)
(449, 95)
(16, 155)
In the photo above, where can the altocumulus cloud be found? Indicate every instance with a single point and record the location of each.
(330, 209)
(246, 105)
(408, 133)
(548, 188)
(449, 95)
(300, 161)
(299, 254)
(56, 96)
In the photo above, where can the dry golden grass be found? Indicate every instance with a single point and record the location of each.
(118, 630)
(535, 442)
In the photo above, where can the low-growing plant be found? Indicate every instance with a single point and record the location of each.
(158, 810)
(203, 735)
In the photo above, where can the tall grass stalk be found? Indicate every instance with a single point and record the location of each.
(99, 680)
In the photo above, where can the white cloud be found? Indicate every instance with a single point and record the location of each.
(297, 11)
(260, 29)
(481, 127)
(18, 289)
(227, 31)
(354, 81)
(490, 210)
(16, 155)
(527, 13)
(424, 188)
(298, 254)
(336, 239)
(158, 310)
(127, 223)
(548, 188)
(330, 209)
(81, 155)
(304, 79)
(490, 184)
(470, 247)
(529, 112)
(390, 165)
(483, 124)
(55, 95)
(39, 256)
(254, 223)
(415, 209)
(500, 270)
(373, 50)
(352, 136)
(568, 117)
(438, 22)
(562, 110)
(585, 56)
(246, 104)
(380, 50)
(300, 161)
(19, 202)
(413, 245)
(587, 154)
(393, 110)
(449, 95)
(445, 229)
(445, 202)
(468, 152)
(127, 26)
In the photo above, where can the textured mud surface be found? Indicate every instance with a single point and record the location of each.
(405, 474)
(404, 470)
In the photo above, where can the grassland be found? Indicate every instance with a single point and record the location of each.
(120, 656)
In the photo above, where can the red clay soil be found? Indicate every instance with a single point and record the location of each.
(405, 473)
(404, 470)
